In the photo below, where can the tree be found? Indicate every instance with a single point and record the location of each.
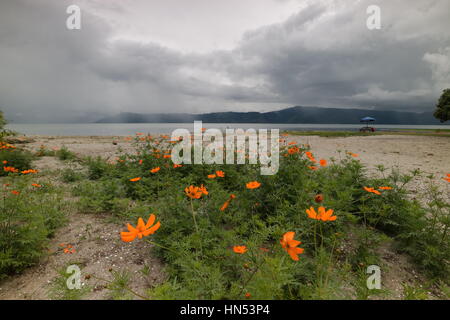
(2, 120)
(3, 132)
(443, 107)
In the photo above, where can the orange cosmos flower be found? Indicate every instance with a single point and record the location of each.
(220, 174)
(248, 295)
(10, 169)
(323, 162)
(167, 156)
(227, 203)
(15, 192)
(211, 176)
(310, 156)
(292, 143)
(193, 192)
(240, 249)
(372, 190)
(69, 249)
(29, 171)
(155, 170)
(135, 179)
(177, 165)
(354, 155)
(142, 229)
(313, 167)
(140, 161)
(290, 245)
(36, 185)
(253, 185)
(447, 179)
(385, 188)
(5, 162)
(324, 215)
(318, 198)
(203, 190)
(293, 150)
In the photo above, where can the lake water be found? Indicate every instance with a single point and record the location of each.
(123, 129)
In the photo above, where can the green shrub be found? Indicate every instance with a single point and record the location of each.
(97, 168)
(27, 220)
(16, 158)
(45, 152)
(70, 175)
(65, 154)
(103, 196)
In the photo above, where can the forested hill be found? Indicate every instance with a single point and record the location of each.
(289, 115)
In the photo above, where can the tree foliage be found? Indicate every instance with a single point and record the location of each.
(2, 120)
(443, 106)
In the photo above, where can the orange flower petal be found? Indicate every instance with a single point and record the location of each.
(127, 236)
(152, 230)
(150, 221)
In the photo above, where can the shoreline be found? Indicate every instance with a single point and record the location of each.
(126, 129)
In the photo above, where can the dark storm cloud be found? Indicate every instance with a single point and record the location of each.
(321, 55)
(318, 59)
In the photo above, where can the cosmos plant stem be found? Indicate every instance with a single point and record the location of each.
(258, 266)
(160, 246)
(330, 262)
(315, 238)
(193, 216)
(126, 288)
(196, 226)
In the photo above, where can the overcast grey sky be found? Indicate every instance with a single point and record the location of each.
(211, 55)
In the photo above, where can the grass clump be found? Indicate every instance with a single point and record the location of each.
(29, 215)
(15, 158)
(65, 154)
(63, 286)
(70, 175)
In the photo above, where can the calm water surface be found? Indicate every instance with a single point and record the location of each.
(123, 129)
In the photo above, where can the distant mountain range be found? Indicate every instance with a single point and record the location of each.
(312, 115)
